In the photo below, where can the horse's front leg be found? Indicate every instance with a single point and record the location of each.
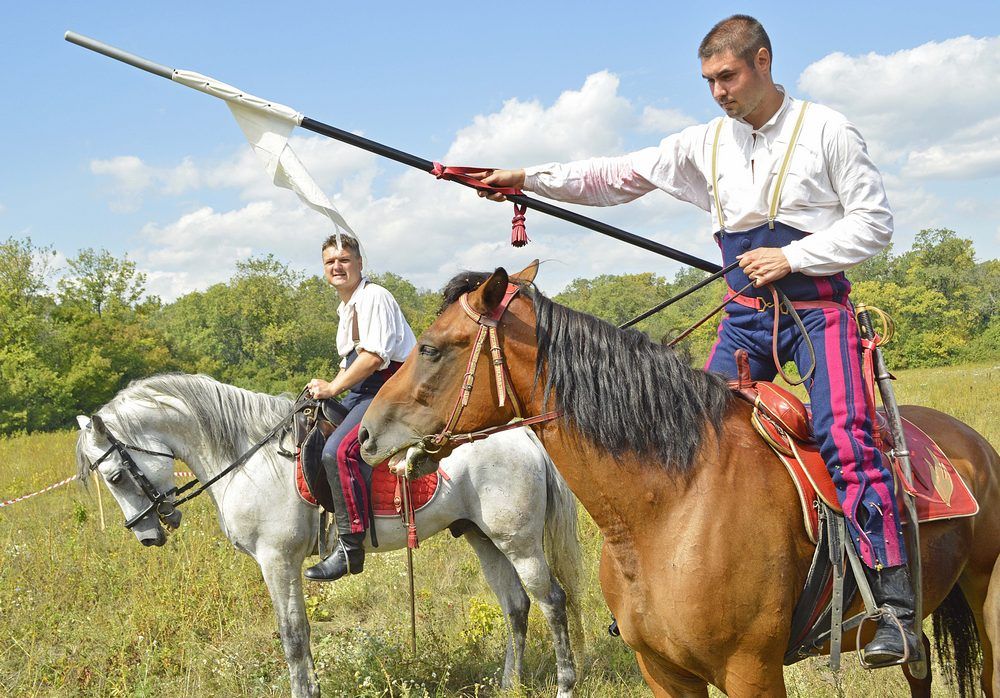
(283, 576)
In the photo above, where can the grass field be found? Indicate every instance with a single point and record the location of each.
(91, 613)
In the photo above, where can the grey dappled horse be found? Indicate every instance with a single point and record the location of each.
(505, 486)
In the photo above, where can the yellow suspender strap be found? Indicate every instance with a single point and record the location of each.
(715, 174)
(784, 167)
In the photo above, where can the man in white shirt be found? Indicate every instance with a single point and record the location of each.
(374, 339)
(795, 198)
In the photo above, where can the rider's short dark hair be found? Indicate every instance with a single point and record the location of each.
(742, 35)
(344, 242)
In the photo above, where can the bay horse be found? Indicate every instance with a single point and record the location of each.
(704, 553)
(503, 495)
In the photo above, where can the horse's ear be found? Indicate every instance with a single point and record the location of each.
(526, 275)
(98, 425)
(82, 421)
(490, 293)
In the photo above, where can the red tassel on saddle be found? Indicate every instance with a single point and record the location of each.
(518, 235)
(411, 536)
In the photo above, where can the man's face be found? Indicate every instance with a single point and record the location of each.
(341, 268)
(737, 86)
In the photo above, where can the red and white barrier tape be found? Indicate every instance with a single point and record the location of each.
(7, 503)
(33, 494)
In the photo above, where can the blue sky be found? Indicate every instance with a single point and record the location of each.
(103, 155)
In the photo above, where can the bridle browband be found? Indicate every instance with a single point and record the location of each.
(163, 502)
(488, 324)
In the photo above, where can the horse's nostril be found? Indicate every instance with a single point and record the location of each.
(362, 436)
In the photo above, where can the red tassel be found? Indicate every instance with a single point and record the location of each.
(411, 537)
(518, 235)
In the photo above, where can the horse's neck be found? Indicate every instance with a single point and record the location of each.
(183, 435)
(621, 495)
(181, 431)
(635, 501)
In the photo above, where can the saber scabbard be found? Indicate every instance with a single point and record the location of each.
(900, 452)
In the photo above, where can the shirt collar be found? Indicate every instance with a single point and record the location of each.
(354, 296)
(768, 130)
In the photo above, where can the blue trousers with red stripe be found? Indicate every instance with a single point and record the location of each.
(841, 423)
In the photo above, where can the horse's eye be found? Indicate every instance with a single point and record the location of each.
(115, 477)
(429, 351)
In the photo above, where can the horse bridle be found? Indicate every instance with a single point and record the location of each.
(158, 501)
(162, 502)
(488, 324)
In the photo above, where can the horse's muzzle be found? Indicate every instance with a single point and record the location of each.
(152, 539)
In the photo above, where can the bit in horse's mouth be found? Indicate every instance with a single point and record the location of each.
(418, 461)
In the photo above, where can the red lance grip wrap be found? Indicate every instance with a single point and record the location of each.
(518, 234)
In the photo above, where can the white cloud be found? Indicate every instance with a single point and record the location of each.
(581, 123)
(330, 162)
(913, 206)
(969, 152)
(664, 121)
(2, 208)
(931, 108)
(130, 177)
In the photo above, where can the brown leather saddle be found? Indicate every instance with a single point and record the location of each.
(784, 423)
(312, 424)
(313, 421)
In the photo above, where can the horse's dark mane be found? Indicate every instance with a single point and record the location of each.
(461, 283)
(623, 391)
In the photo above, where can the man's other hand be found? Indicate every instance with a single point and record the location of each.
(765, 265)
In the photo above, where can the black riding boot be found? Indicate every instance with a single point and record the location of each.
(347, 558)
(893, 591)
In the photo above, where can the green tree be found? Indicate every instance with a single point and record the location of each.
(269, 328)
(30, 390)
(102, 283)
(883, 268)
(419, 306)
(104, 336)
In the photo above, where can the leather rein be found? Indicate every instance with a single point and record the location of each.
(779, 302)
(488, 324)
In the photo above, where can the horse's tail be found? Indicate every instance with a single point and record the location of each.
(562, 544)
(956, 642)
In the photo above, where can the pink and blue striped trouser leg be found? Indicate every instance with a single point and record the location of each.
(840, 415)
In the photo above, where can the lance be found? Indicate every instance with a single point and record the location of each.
(224, 91)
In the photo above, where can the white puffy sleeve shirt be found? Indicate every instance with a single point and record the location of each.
(382, 329)
(832, 190)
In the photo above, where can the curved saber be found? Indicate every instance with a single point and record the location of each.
(232, 94)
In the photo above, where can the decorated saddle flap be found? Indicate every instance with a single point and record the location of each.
(386, 492)
(938, 489)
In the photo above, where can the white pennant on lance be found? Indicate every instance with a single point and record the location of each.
(267, 126)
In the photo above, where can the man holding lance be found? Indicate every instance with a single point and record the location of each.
(374, 339)
(796, 200)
